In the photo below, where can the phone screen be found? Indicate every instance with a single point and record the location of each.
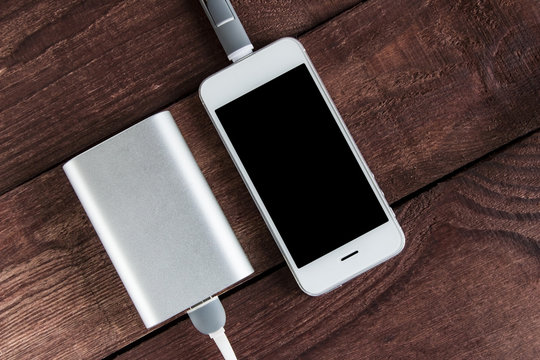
(301, 165)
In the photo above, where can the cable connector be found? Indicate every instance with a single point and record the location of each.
(209, 318)
(228, 28)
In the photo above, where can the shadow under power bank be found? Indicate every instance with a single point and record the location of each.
(157, 218)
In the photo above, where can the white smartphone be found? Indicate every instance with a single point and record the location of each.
(313, 188)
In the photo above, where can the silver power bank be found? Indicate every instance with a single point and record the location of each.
(157, 218)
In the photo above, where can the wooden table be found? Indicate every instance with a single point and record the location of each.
(442, 98)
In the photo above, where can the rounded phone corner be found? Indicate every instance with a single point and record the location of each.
(291, 44)
(293, 40)
(313, 291)
(401, 239)
(202, 88)
(309, 292)
(400, 247)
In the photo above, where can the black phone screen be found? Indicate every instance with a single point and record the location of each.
(301, 165)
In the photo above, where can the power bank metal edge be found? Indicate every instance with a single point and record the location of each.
(157, 218)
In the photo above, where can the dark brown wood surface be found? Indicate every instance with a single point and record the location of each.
(465, 286)
(425, 88)
(73, 73)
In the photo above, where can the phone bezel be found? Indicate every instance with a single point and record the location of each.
(328, 271)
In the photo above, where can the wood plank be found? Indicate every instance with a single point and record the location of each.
(465, 287)
(57, 275)
(438, 66)
(76, 72)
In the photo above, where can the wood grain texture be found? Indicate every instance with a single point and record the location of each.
(425, 73)
(75, 72)
(60, 296)
(465, 286)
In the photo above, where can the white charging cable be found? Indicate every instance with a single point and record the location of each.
(223, 344)
(228, 28)
(209, 318)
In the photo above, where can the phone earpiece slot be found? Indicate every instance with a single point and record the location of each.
(348, 256)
